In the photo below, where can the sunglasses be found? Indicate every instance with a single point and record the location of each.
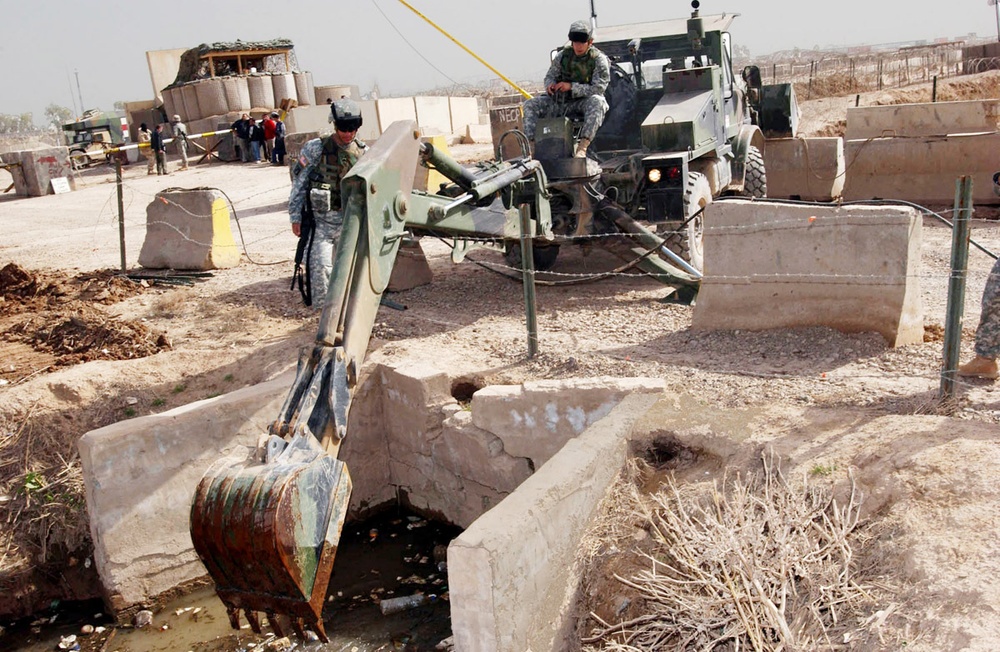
(347, 126)
(578, 37)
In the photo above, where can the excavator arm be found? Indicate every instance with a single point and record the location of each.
(266, 523)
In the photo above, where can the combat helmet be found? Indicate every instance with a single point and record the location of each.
(345, 114)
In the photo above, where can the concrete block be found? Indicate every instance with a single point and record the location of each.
(38, 168)
(536, 419)
(464, 111)
(393, 109)
(16, 173)
(433, 114)
(511, 573)
(476, 133)
(411, 268)
(189, 229)
(852, 268)
(921, 170)
(925, 119)
(140, 477)
(805, 168)
(295, 142)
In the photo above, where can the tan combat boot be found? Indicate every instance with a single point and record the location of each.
(979, 367)
(581, 148)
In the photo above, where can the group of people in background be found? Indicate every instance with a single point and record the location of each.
(260, 142)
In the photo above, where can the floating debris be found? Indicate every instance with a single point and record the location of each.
(143, 619)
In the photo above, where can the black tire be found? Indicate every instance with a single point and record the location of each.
(688, 243)
(755, 183)
(544, 255)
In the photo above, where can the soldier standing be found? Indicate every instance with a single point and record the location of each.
(314, 204)
(578, 76)
(984, 365)
(148, 152)
(159, 149)
(181, 138)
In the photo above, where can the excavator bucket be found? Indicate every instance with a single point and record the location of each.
(266, 524)
(268, 533)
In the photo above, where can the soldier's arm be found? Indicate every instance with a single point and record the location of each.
(599, 80)
(300, 184)
(555, 68)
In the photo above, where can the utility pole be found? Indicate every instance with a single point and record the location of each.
(78, 91)
(996, 12)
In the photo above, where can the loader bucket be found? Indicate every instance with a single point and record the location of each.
(268, 533)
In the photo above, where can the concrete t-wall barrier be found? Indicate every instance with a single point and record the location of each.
(511, 575)
(464, 112)
(811, 169)
(140, 478)
(922, 169)
(433, 115)
(925, 119)
(189, 229)
(852, 268)
(395, 108)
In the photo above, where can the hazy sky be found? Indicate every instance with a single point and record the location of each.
(45, 42)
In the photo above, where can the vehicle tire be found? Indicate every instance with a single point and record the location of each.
(688, 243)
(78, 159)
(755, 183)
(543, 255)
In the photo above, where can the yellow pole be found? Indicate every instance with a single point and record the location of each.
(520, 90)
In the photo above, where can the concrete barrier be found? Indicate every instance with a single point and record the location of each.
(510, 574)
(38, 168)
(433, 115)
(805, 168)
(852, 268)
(189, 229)
(925, 119)
(923, 169)
(464, 112)
(393, 109)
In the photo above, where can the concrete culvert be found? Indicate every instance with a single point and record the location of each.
(463, 388)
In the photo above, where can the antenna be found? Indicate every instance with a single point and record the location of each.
(78, 92)
(72, 100)
(593, 17)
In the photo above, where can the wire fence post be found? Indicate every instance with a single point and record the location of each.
(528, 279)
(121, 209)
(956, 285)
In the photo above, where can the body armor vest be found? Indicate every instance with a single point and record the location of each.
(577, 69)
(334, 164)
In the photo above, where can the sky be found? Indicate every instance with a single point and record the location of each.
(46, 45)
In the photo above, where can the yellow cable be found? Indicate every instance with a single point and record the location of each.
(520, 90)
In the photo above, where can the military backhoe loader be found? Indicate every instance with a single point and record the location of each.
(266, 523)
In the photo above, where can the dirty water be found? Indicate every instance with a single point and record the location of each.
(394, 555)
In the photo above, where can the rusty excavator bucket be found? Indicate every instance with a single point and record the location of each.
(266, 522)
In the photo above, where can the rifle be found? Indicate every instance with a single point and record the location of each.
(304, 250)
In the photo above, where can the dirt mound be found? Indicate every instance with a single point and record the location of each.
(49, 321)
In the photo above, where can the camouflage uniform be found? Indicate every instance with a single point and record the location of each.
(590, 76)
(322, 165)
(181, 138)
(988, 332)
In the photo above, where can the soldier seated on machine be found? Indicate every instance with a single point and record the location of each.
(578, 77)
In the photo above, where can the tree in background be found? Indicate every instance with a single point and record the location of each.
(56, 115)
(119, 105)
(16, 124)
